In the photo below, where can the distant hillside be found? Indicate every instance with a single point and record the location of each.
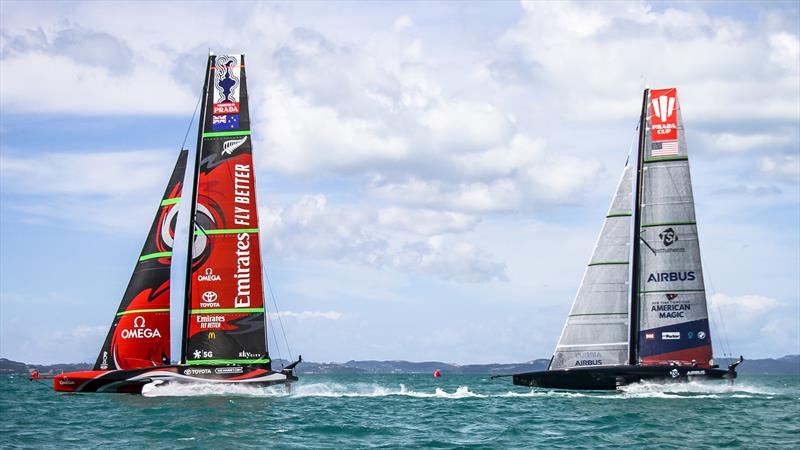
(789, 364)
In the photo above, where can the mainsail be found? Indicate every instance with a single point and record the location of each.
(225, 316)
(673, 325)
(139, 333)
(596, 331)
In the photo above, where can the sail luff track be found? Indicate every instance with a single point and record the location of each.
(193, 212)
(635, 279)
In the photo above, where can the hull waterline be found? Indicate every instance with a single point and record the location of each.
(133, 380)
(611, 378)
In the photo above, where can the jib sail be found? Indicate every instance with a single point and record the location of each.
(673, 318)
(139, 334)
(596, 331)
(225, 309)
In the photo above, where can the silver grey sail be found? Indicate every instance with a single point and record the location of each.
(673, 325)
(596, 330)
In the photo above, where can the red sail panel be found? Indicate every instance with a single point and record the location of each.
(226, 305)
(139, 333)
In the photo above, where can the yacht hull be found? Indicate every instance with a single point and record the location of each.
(611, 378)
(131, 381)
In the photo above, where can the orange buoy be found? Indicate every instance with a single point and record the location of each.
(437, 373)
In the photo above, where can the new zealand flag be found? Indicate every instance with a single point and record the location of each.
(225, 122)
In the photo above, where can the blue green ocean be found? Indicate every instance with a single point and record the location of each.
(406, 411)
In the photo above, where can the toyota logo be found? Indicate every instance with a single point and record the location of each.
(209, 296)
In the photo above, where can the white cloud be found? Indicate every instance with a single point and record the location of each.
(329, 315)
(402, 22)
(743, 306)
(426, 222)
(736, 143)
(596, 55)
(786, 166)
(753, 324)
(310, 228)
(103, 173)
(106, 191)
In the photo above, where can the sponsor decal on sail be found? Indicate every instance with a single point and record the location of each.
(226, 108)
(668, 237)
(588, 359)
(209, 276)
(650, 336)
(670, 335)
(140, 330)
(209, 300)
(242, 194)
(668, 311)
(661, 277)
(663, 115)
(701, 335)
(210, 321)
(203, 354)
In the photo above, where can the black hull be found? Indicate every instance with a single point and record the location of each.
(610, 378)
(132, 381)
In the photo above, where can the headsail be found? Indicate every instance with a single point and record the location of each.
(596, 331)
(225, 309)
(139, 334)
(673, 325)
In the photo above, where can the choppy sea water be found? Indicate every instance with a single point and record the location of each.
(406, 411)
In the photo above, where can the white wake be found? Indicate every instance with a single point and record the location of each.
(332, 390)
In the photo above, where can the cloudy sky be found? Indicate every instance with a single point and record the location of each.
(431, 176)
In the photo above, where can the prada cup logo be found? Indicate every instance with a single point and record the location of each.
(663, 107)
(229, 146)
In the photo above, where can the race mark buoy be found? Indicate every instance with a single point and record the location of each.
(437, 373)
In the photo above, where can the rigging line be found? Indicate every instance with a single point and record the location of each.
(725, 341)
(277, 312)
(191, 121)
(274, 336)
(685, 205)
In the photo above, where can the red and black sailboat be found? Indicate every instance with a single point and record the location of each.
(224, 336)
(640, 312)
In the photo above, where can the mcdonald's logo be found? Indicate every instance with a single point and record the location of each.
(212, 335)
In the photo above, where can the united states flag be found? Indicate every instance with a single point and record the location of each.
(666, 148)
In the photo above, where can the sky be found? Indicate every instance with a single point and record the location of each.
(431, 176)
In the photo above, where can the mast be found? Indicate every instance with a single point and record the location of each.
(633, 317)
(193, 211)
